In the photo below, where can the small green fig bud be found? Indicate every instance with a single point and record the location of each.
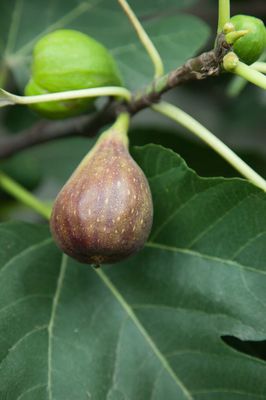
(104, 212)
(69, 60)
(229, 27)
(250, 46)
(230, 61)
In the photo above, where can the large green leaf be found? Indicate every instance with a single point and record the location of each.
(150, 327)
(178, 37)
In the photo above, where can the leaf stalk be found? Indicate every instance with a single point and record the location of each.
(22, 195)
(223, 14)
(144, 38)
(232, 64)
(7, 98)
(208, 137)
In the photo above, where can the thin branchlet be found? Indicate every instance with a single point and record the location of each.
(205, 65)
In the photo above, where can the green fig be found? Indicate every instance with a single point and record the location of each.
(251, 46)
(69, 60)
(104, 212)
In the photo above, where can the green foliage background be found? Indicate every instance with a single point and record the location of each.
(152, 326)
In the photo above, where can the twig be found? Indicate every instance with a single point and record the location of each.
(46, 131)
(198, 68)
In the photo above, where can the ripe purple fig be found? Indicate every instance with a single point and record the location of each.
(104, 212)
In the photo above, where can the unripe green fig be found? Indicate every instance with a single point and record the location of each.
(104, 212)
(69, 60)
(251, 46)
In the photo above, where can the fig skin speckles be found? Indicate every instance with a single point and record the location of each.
(104, 212)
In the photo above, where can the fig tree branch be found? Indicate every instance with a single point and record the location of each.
(201, 67)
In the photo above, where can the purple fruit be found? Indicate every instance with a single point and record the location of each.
(104, 212)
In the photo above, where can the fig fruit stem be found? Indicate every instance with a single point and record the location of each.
(145, 39)
(238, 83)
(223, 14)
(208, 137)
(232, 64)
(7, 98)
(250, 74)
(259, 66)
(119, 128)
(23, 196)
(121, 125)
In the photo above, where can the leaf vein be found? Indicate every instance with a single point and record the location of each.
(13, 31)
(60, 23)
(241, 248)
(217, 221)
(116, 354)
(144, 333)
(36, 329)
(205, 256)
(52, 321)
(180, 208)
(21, 299)
(32, 389)
(24, 252)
